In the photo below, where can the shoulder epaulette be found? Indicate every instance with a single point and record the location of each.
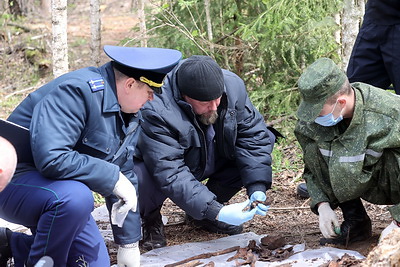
(96, 84)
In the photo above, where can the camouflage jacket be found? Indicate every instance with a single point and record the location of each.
(357, 158)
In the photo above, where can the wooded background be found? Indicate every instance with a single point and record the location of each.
(268, 43)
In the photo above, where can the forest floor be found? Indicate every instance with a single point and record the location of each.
(289, 215)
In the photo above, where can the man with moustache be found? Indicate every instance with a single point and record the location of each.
(203, 126)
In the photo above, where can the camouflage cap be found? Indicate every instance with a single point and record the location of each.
(318, 82)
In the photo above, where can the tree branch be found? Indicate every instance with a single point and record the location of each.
(204, 256)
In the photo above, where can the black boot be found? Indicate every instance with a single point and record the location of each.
(302, 190)
(215, 226)
(356, 225)
(5, 250)
(153, 231)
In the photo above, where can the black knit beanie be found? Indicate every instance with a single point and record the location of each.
(200, 78)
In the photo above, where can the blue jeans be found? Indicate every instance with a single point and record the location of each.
(58, 213)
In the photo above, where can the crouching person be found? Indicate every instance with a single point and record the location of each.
(203, 126)
(83, 129)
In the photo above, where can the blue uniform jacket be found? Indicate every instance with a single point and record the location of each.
(173, 145)
(77, 131)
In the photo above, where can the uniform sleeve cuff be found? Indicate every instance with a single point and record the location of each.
(213, 209)
(263, 187)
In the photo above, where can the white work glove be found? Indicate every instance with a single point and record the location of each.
(234, 214)
(126, 193)
(128, 255)
(387, 230)
(328, 220)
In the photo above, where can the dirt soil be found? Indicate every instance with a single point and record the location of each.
(289, 215)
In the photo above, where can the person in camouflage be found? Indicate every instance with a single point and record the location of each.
(350, 137)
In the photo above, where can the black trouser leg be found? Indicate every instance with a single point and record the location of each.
(153, 231)
(357, 224)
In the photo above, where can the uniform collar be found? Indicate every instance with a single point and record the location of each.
(358, 108)
(110, 99)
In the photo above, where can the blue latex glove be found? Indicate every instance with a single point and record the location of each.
(234, 214)
(261, 208)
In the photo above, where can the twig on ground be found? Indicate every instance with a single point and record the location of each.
(306, 202)
(288, 208)
(20, 91)
(302, 234)
(22, 27)
(176, 223)
(204, 256)
(280, 119)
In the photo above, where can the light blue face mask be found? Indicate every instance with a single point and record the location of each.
(328, 119)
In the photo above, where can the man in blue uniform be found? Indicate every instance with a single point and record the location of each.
(83, 128)
(203, 126)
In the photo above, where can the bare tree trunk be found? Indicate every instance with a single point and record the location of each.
(14, 7)
(352, 14)
(239, 53)
(60, 45)
(134, 4)
(221, 26)
(95, 26)
(142, 23)
(19, 7)
(338, 35)
(209, 24)
(45, 8)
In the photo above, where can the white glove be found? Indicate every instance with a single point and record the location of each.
(387, 230)
(328, 220)
(128, 255)
(126, 193)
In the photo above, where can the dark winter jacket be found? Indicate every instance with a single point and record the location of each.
(174, 150)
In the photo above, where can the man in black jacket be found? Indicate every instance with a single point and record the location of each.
(202, 127)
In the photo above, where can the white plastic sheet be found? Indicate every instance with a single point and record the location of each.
(162, 256)
(316, 257)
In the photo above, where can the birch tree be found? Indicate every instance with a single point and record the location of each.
(209, 24)
(59, 42)
(352, 13)
(142, 23)
(95, 27)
